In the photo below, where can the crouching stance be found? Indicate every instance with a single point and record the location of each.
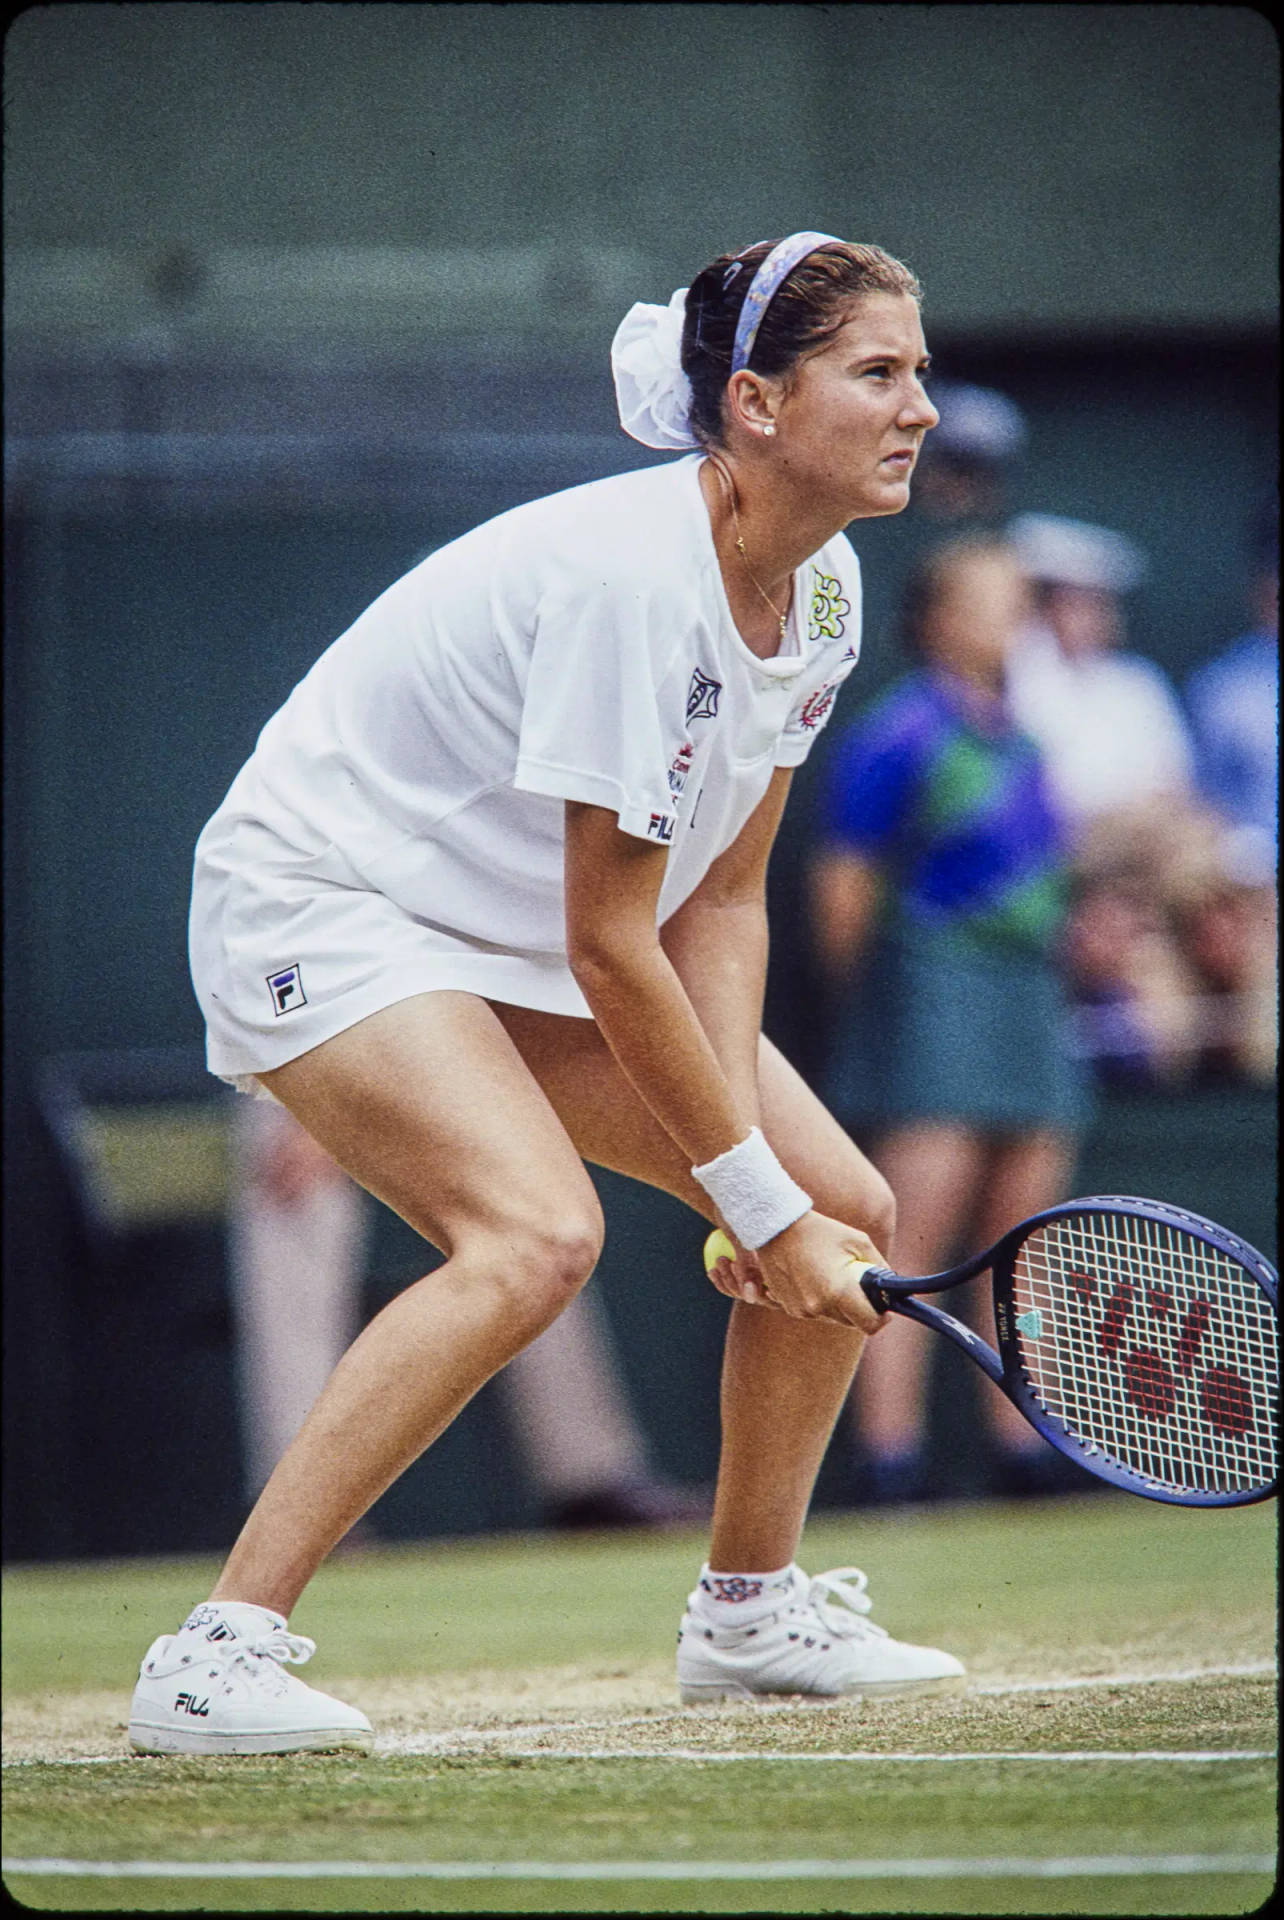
(488, 902)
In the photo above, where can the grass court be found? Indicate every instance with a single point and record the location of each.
(1114, 1752)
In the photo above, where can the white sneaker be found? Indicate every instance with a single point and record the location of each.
(814, 1640)
(218, 1686)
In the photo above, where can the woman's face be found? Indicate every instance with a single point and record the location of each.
(851, 419)
(975, 614)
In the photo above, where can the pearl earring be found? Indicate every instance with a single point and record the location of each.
(770, 427)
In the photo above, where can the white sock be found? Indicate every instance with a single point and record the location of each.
(734, 1598)
(212, 1619)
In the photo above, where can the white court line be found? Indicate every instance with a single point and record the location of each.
(1250, 1669)
(1072, 1867)
(1049, 1755)
(1198, 1756)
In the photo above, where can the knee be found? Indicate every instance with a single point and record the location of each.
(875, 1212)
(542, 1264)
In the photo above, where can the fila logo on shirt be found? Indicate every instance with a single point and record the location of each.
(286, 988)
(660, 827)
(702, 696)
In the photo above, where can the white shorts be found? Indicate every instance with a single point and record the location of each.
(287, 949)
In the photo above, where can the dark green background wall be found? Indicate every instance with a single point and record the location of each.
(1040, 165)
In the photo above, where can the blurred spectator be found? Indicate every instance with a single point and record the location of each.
(1222, 893)
(1132, 986)
(298, 1232)
(1233, 703)
(938, 894)
(1171, 950)
(962, 471)
(1109, 723)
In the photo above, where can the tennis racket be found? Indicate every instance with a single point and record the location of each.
(1140, 1340)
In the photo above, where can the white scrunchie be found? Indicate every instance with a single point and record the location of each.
(651, 391)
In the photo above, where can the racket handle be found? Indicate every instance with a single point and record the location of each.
(869, 1276)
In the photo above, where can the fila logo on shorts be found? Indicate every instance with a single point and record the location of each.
(702, 696)
(286, 988)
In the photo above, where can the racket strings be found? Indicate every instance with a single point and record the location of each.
(1152, 1347)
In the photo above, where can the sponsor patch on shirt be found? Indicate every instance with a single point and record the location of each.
(815, 709)
(702, 697)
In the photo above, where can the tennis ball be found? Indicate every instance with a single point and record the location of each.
(717, 1247)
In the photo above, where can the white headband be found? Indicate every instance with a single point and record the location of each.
(652, 392)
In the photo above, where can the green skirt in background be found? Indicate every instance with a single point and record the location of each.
(940, 1027)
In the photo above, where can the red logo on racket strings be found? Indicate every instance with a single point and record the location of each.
(1225, 1399)
(1149, 1384)
(1111, 1330)
(1193, 1329)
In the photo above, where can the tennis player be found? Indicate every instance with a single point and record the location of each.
(488, 901)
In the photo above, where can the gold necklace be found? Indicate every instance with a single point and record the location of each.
(729, 483)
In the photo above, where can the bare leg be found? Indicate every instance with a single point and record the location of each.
(934, 1170)
(784, 1381)
(430, 1107)
(1028, 1172)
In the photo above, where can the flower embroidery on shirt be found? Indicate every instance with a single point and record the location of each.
(829, 608)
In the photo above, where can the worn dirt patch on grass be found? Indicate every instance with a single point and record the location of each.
(633, 1709)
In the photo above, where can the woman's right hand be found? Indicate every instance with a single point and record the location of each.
(809, 1272)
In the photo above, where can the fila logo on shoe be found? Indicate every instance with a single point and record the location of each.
(188, 1703)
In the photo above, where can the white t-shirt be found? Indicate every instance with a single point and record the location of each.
(1110, 725)
(579, 647)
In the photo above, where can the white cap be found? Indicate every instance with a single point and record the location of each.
(976, 423)
(1071, 553)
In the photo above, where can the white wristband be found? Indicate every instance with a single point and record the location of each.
(752, 1191)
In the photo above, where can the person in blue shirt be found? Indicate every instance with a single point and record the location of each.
(1233, 702)
(939, 890)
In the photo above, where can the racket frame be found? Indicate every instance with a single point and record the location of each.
(898, 1294)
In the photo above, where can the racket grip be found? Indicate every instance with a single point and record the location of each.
(869, 1275)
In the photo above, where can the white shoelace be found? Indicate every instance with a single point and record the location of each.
(276, 1645)
(841, 1602)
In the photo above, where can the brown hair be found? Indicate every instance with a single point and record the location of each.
(929, 577)
(810, 306)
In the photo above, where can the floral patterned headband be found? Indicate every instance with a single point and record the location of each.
(765, 285)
